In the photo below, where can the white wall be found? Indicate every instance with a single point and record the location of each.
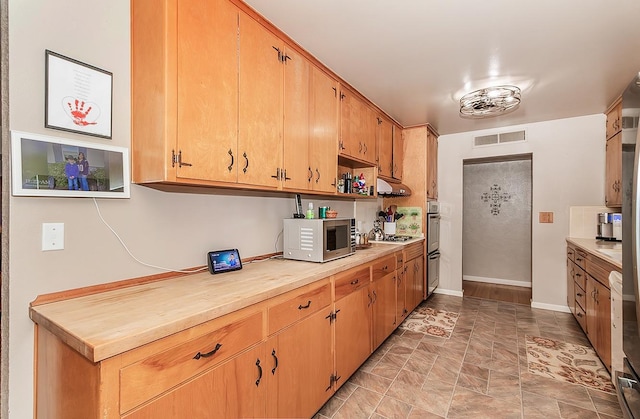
(568, 170)
(173, 230)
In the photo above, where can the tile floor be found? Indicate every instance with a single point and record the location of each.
(480, 372)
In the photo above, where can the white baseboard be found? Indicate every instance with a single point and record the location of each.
(552, 307)
(497, 281)
(448, 292)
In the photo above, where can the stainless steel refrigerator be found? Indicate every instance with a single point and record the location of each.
(628, 382)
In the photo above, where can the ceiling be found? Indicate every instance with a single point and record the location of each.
(415, 58)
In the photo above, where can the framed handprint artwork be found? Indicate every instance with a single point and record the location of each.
(78, 96)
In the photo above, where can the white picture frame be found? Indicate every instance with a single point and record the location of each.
(39, 167)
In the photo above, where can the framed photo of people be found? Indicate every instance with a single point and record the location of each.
(78, 96)
(52, 166)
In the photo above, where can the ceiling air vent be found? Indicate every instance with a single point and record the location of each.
(495, 139)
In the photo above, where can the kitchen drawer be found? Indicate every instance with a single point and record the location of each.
(581, 297)
(164, 370)
(580, 278)
(571, 254)
(581, 258)
(350, 281)
(298, 305)
(581, 317)
(599, 269)
(383, 267)
(412, 251)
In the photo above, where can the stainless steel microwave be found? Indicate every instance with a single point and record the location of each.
(320, 239)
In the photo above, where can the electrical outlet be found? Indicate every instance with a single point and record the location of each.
(52, 236)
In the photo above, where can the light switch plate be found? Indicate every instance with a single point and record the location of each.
(52, 236)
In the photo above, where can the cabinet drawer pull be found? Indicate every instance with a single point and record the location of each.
(259, 372)
(578, 274)
(355, 282)
(275, 358)
(579, 259)
(246, 166)
(579, 294)
(579, 314)
(230, 165)
(208, 354)
(300, 307)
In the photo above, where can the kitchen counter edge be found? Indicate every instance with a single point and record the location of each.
(593, 245)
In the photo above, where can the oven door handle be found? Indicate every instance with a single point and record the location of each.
(434, 256)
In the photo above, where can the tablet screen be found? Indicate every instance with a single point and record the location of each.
(224, 261)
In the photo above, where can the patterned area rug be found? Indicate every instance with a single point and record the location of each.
(432, 322)
(567, 362)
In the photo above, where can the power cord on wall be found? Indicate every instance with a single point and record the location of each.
(131, 254)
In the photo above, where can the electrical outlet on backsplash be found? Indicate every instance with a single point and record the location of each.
(583, 221)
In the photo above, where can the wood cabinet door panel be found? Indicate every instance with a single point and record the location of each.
(350, 281)
(260, 105)
(300, 368)
(323, 138)
(297, 73)
(398, 153)
(613, 173)
(231, 390)
(401, 295)
(156, 374)
(350, 114)
(432, 165)
(352, 332)
(385, 147)
(207, 90)
(571, 296)
(384, 308)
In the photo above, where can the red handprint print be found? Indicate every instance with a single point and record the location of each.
(79, 114)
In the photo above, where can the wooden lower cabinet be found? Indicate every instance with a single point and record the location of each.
(299, 367)
(352, 332)
(235, 389)
(598, 310)
(281, 357)
(589, 298)
(384, 308)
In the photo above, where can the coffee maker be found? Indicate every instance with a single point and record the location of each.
(609, 226)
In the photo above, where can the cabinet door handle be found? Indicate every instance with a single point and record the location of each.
(375, 297)
(277, 175)
(300, 307)
(275, 358)
(208, 354)
(180, 163)
(310, 174)
(284, 175)
(365, 148)
(230, 165)
(259, 372)
(370, 300)
(246, 166)
(359, 147)
(318, 173)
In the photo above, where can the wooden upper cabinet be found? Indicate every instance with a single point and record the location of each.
(358, 125)
(614, 118)
(260, 104)
(323, 137)
(184, 91)
(398, 153)
(207, 90)
(385, 146)
(432, 164)
(297, 70)
(613, 172)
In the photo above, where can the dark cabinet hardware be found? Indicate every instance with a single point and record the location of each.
(277, 175)
(230, 165)
(375, 297)
(279, 53)
(579, 294)
(334, 182)
(310, 174)
(335, 92)
(318, 173)
(180, 163)
(275, 358)
(379, 120)
(246, 166)
(355, 282)
(332, 316)
(359, 147)
(285, 58)
(300, 307)
(208, 354)
(332, 379)
(341, 145)
(365, 148)
(284, 175)
(259, 372)
(342, 96)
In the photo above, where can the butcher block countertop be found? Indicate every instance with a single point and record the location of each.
(606, 250)
(106, 324)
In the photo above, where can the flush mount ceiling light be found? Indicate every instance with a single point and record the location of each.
(491, 101)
